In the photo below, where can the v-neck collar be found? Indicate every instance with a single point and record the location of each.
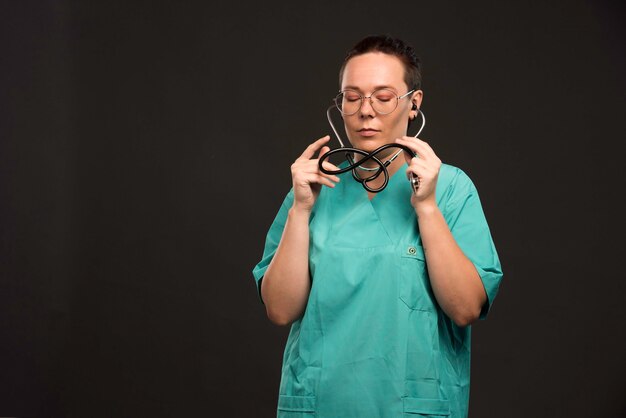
(392, 206)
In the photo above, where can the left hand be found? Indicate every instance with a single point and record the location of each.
(425, 166)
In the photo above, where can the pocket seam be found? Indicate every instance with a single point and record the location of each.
(418, 257)
(289, 403)
(437, 407)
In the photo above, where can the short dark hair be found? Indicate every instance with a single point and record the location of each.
(392, 46)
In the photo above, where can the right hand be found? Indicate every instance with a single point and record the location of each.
(306, 176)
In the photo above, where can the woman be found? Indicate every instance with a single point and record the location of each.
(379, 289)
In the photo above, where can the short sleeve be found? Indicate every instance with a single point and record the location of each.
(465, 217)
(272, 240)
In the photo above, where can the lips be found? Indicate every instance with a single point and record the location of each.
(367, 132)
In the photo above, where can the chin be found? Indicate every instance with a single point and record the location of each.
(368, 144)
(371, 146)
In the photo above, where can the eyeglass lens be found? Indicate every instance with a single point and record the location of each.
(383, 101)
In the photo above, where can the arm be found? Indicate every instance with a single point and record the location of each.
(453, 277)
(286, 284)
(456, 284)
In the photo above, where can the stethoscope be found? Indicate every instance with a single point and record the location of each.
(382, 166)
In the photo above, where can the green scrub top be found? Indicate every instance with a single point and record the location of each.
(373, 341)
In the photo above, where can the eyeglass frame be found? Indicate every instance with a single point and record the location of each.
(370, 99)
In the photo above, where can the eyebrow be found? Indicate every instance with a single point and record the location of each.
(375, 88)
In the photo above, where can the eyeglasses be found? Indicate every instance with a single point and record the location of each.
(383, 101)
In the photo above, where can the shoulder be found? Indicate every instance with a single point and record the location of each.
(457, 197)
(453, 180)
(281, 216)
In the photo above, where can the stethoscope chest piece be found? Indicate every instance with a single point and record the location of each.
(415, 183)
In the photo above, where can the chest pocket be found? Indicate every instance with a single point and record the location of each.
(414, 283)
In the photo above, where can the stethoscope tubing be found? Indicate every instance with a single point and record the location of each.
(382, 166)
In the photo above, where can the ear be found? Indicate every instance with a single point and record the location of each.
(416, 99)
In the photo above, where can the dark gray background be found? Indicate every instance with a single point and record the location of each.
(145, 149)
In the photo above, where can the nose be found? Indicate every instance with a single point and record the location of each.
(366, 109)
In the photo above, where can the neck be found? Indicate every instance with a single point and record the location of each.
(387, 156)
(391, 170)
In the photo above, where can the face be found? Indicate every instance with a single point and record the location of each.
(365, 74)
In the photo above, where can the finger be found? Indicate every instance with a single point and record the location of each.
(311, 149)
(422, 146)
(321, 179)
(407, 142)
(408, 157)
(332, 177)
(418, 167)
(330, 166)
(323, 151)
(312, 166)
(316, 170)
(410, 172)
(422, 149)
(313, 175)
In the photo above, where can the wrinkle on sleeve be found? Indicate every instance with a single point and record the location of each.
(467, 222)
(272, 240)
